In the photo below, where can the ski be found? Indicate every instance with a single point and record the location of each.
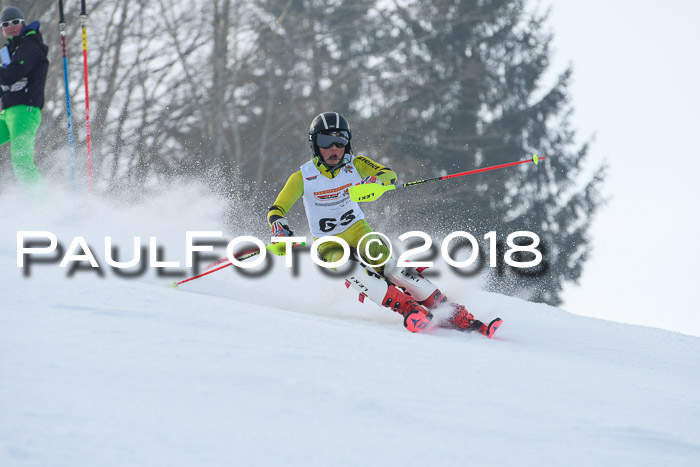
(490, 329)
(415, 321)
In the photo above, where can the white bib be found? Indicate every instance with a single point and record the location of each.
(327, 202)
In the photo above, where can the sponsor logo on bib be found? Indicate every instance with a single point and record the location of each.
(334, 193)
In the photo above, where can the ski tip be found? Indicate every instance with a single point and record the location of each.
(173, 285)
(416, 321)
(493, 327)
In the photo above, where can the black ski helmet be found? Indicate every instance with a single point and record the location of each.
(328, 122)
(10, 13)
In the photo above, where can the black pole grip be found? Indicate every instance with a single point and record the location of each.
(60, 12)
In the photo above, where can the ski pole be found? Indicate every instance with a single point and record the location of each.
(88, 132)
(372, 191)
(62, 30)
(240, 257)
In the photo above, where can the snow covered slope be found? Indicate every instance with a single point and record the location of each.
(292, 370)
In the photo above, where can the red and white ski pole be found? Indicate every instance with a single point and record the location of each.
(226, 262)
(240, 257)
(372, 191)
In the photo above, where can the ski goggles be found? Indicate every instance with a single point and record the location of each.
(12, 22)
(339, 138)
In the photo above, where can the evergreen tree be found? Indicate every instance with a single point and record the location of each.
(468, 93)
(311, 58)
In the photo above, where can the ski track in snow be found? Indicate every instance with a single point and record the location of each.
(288, 369)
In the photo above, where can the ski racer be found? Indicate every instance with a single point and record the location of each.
(22, 80)
(323, 184)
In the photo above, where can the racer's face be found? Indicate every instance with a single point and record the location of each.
(333, 155)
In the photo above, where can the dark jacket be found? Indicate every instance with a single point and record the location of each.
(22, 81)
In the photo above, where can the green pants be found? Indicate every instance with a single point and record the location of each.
(19, 125)
(332, 252)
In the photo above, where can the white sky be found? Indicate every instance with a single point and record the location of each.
(636, 87)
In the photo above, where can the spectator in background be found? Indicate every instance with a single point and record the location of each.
(22, 80)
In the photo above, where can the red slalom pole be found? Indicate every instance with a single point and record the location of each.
(88, 132)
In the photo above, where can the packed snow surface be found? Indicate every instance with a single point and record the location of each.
(286, 367)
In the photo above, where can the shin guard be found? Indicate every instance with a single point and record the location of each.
(410, 279)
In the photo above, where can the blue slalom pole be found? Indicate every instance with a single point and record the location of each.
(62, 30)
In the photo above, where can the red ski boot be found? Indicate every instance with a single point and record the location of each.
(461, 318)
(465, 321)
(415, 317)
(436, 299)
